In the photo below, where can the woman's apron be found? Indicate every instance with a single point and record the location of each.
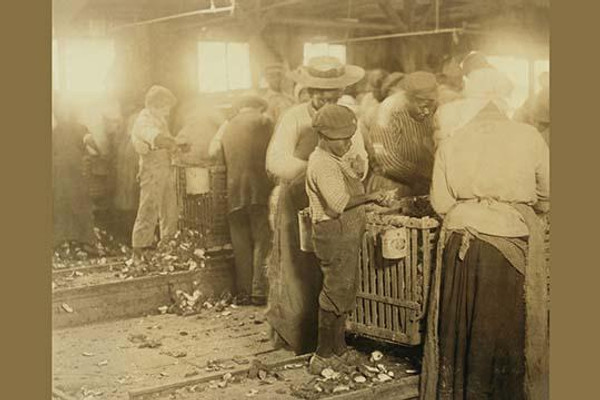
(294, 276)
(536, 316)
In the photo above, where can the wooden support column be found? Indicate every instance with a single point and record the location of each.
(391, 13)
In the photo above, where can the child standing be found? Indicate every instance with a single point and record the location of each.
(336, 197)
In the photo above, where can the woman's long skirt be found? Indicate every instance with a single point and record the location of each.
(294, 276)
(481, 324)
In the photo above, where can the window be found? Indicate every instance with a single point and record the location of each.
(517, 70)
(87, 64)
(223, 66)
(324, 49)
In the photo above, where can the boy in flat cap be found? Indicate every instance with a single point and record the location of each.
(336, 197)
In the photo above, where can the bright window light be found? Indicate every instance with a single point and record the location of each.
(223, 66)
(324, 49)
(517, 70)
(87, 64)
(538, 67)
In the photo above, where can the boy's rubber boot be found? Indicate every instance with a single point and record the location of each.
(325, 340)
(340, 348)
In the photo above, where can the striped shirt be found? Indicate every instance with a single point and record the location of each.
(403, 147)
(330, 182)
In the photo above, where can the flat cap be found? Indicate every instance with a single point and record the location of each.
(335, 121)
(420, 84)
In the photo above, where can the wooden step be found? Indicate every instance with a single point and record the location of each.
(138, 296)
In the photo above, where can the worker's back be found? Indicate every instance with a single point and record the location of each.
(245, 142)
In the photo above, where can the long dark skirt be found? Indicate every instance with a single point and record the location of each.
(295, 279)
(481, 325)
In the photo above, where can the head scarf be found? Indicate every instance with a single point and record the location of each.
(482, 87)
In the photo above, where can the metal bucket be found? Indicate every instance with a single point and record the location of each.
(305, 231)
(197, 180)
(394, 244)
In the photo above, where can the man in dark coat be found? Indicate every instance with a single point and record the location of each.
(244, 144)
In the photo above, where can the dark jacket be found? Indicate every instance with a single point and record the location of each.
(245, 142)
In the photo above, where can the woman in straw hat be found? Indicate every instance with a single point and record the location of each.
(294, 276)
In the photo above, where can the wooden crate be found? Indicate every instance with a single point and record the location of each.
(206, 213)
(391, 300)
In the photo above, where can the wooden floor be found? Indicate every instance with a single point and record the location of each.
(112, 360)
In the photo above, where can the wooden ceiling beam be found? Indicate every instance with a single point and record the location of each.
(324, 23)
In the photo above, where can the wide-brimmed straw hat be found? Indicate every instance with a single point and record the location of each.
(327, 73)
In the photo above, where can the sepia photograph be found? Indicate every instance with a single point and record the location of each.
(300, 199)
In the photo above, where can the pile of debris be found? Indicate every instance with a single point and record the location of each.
(365, 372)
(186, 304)
(185, 252)
(73, 254)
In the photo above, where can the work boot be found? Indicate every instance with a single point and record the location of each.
(326, 333)
(339, 345)
(340, 348)
(137, 253)
(138, 258)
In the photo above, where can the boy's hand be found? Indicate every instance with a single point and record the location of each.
(383, 197)
(377, 197)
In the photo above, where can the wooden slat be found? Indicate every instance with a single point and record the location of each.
(406, 304)
(415, 261)
(405, 388)
(381, 303)
(407, 279)
(375, 332)
(426, 266)
(373, 281)
(359, 313)
(395, 309)
(365, 276)
(138, 394)
(87, 269)
(388, 293)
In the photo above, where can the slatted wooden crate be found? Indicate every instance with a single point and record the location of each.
(392, 293)
(206, 213)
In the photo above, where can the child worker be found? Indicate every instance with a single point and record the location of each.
(336, 203)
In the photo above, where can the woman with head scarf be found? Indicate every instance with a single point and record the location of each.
(294, 276)
(487, 332)
(481, 86)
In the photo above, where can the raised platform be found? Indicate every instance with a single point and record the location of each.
(136, 296)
